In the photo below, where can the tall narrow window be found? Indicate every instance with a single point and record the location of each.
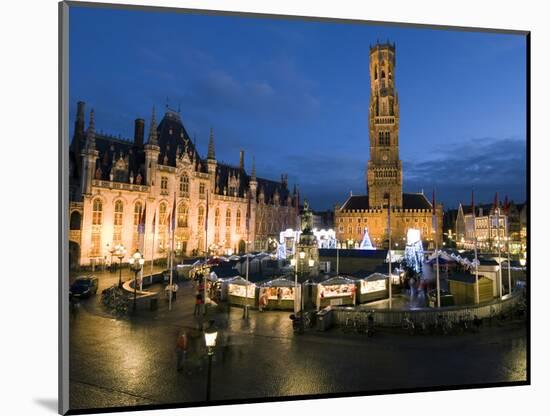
(228, 218)
(201, 217)
(137, 212)
(238, 220)
(162, 213)
(97, 212)
(183, 213)
(184, 185)
(202, 190)
(164, 183)
(217, 218)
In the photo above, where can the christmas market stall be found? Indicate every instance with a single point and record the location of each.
(278, 293)
(463, 288)
(240, 292)
(336, 291)
(218, 281)
(372, 287)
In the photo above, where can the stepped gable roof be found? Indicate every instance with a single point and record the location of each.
(410, 201)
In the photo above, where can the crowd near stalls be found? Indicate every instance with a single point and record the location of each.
(279, 293)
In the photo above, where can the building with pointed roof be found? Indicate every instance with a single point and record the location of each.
(113, 179)
(384, 175)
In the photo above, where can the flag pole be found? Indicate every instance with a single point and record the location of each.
(497, 209)
(153, 246)
(205, 252)
(436, 255)
(506, 225)
(171, 259)
(475, 247)
(389, 252)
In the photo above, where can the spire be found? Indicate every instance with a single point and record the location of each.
(211, 153)
(153, 130)
(253, 170)
(90, 134)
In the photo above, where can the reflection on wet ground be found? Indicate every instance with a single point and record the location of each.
(132, 361)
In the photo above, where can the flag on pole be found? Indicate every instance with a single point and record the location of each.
(206, 216)
(248, 212)
(154, 222)
(434, 216)
(141, 225)
(173, 215)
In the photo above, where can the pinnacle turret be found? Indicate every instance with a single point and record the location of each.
(153, 135)
(211, 152)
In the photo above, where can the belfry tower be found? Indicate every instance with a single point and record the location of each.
(384, 171)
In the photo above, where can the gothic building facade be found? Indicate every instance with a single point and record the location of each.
(384, 175)
(113, 180)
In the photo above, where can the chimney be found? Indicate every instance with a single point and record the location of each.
(139, 129)
(79, 123)
(241, 159)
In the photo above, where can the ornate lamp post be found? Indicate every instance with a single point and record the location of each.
(112, 251)
(210, 335)
(120, 252)
(136, 263)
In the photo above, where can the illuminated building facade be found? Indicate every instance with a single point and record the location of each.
(112, 180)
(384, 174)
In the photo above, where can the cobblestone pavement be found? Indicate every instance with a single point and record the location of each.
(131, 361)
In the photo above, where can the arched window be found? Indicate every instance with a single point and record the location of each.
(238, 220)
(228, 218)
(137, 212)
(162, 213)
(75, 220)
(183, 213)
(97, 212)
(201, 216)
(119, 209)
(382, 74)
(217, 217)
(184, 185)
(376, 72)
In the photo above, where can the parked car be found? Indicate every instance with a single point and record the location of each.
(84, 286)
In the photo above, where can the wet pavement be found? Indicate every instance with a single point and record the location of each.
(131, 361)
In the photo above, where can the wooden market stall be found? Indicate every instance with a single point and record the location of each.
(336, 291)
(279, 294)
(463, 288)
(240, 292)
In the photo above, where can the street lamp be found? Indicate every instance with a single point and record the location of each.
(136, 263)
(120, 252)
(111, 251)
(210, 335)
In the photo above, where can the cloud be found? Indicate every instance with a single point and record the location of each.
(485, 165)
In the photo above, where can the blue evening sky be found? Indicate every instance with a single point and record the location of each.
(294, 94)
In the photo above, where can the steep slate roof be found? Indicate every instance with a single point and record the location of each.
(172, 137)
(410, 201)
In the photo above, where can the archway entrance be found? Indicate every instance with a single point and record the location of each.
(242, 247)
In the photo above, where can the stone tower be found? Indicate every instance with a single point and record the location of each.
(384, 171)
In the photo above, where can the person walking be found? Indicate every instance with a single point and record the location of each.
(198, 303)
(174, 290)
(181, 350)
